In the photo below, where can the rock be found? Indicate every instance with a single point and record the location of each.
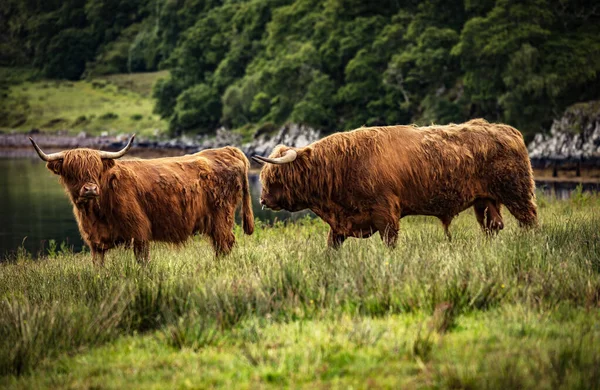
(290, 135)
(573, 138)
(263, 144)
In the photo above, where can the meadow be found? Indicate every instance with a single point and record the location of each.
(113, 104)
(520, 310)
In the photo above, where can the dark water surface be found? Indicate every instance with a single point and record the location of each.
(34, 208)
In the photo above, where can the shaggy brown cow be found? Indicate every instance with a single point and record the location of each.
(164, 199)
(364, 181)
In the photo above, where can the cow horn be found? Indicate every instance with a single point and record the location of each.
(257, 160)
(44, 156)
(120, 153)
(287, 157)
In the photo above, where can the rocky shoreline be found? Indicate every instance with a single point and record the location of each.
(572, 144)
(573, 141)
(18, 144)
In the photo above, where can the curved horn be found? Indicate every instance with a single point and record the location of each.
(120, 153)
(44, 156)
(287, 157)
(257, 160)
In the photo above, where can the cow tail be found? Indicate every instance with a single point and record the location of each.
(247, 214)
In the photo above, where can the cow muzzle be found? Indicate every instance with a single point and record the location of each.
(89, 191)
(270, 205)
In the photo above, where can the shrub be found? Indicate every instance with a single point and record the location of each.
(108, 116)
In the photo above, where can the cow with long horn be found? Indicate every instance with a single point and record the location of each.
(364, 181)
(133, 202)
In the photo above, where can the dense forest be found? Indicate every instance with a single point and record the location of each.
(332, 64)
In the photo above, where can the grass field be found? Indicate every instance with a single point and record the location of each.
(115, 104)
(521, 310)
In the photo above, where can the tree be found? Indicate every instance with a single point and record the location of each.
(70, 50)
(197, 108)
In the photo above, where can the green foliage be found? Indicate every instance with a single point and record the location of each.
(523, 61)
(339, 65)
(332, 64)
(165, 92)
(70, 49)
(67, 38)
(54, 250)
(197, 108)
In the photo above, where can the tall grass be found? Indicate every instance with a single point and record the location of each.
(285, 273)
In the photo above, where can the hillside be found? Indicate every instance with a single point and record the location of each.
(110, 104)
(331, 64)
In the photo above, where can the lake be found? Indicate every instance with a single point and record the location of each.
(35, 209)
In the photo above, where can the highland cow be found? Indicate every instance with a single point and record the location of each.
(364, 181)
(133, 202)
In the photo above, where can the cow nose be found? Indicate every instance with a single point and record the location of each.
(89, 189)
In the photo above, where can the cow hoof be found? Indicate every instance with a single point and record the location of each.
(496, 225)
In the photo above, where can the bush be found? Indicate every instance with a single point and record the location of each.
(80, 120)
(70, 50)
(165, 92)
(197, 108)
(108, 116)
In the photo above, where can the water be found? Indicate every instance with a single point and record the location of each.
(34, 208)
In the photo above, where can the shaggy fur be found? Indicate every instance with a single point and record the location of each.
(164, 199)
(364, 181)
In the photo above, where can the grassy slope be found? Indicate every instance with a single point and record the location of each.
(117, 104)
(521, 310)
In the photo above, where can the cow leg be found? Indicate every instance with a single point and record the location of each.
(487, 212)
(98, 256)
(446, 221)
(222, 242)
(494, 219)
(335, 240)
(479, 206)
(221, 232)
(388, 229)
(141, 250)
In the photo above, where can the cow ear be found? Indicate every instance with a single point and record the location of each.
(55, 166)
(108, 163)
(304, 152)
(113, 179)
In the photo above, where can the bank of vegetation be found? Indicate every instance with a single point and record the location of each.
(332, 65)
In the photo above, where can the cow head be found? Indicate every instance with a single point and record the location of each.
(81, 170)
(281, 176)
